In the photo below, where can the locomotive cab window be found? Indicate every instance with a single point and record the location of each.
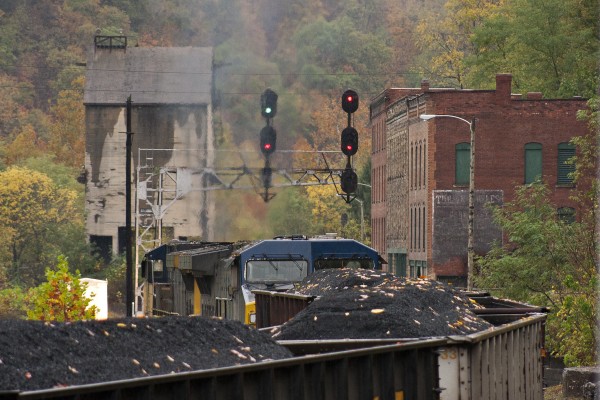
(261, 271)
(355, 263)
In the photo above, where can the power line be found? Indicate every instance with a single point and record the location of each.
(219, 73)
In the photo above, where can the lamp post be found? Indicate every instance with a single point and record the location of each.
(470, 234)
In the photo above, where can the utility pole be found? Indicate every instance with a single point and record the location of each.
(128, 250)
(470, 231)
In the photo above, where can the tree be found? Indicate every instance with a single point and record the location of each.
(336, 54)
(550, 46)
(13, 303)
(445, 39)
(26, 144)
(67, 133)
(31, 207)
(547, 262)
(61, 298)
(290, 213)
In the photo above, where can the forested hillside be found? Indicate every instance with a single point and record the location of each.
(309, 51)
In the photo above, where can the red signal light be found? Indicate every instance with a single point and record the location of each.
(268, 140)
(349, 144)
(350, 101)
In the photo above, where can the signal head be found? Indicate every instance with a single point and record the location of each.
(268, 140)
(349, 181)
(349, 145)
(268, 103)
(350, 101)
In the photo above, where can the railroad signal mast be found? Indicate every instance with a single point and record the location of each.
(349, 145)
(268, 137)
(268, 134)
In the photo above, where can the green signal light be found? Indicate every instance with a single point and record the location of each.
(268, 103)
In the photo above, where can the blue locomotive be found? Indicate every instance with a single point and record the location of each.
(217, 278)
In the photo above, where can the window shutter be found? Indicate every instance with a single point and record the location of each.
(533, 162)
(566, 151)
(463, 161)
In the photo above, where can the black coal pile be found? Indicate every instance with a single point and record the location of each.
(326, 280)
(36, 355)
(365, 304)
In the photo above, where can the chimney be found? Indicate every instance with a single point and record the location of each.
(425, 85)
(503, 87)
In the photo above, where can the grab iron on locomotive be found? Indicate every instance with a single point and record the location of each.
(217, 278)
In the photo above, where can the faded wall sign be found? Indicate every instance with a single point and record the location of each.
(450, 223)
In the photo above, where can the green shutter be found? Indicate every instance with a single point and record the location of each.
(566, 151)
(533, 162)
(463, 161)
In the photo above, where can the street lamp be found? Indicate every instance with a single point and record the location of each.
(470, 243)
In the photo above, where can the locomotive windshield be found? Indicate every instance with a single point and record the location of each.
(259, 271)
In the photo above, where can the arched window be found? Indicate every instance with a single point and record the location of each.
(462, 158)
(424, 167)
(566, 151)
(412, 166)
(424, 229)
(533, 162)
(420, 163)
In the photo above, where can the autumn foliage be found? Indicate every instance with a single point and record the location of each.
(61, 298)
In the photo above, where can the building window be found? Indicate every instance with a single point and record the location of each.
(424, 230)
(566, 214)
(412, 166)
(533, 162)
(424, 167)
(412, 223)
(566, 151)
(463, 157)
(420, 163)
(417, 268)
(418, 244)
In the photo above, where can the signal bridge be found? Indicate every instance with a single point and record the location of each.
(159, 187)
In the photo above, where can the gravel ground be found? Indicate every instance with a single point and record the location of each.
(37, 355)
(365, 304)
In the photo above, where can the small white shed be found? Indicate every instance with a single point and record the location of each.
(97, 290)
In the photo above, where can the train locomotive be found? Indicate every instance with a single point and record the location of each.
(218, 278)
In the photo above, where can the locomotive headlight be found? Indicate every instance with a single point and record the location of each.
(250, 317)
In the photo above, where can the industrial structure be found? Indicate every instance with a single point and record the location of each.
(172, 137)
(421, 169)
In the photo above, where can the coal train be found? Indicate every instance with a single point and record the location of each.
(218, 278)
(500, 363)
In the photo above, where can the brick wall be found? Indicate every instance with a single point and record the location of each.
(505, 123)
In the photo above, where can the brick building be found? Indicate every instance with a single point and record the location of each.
(420, 169)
